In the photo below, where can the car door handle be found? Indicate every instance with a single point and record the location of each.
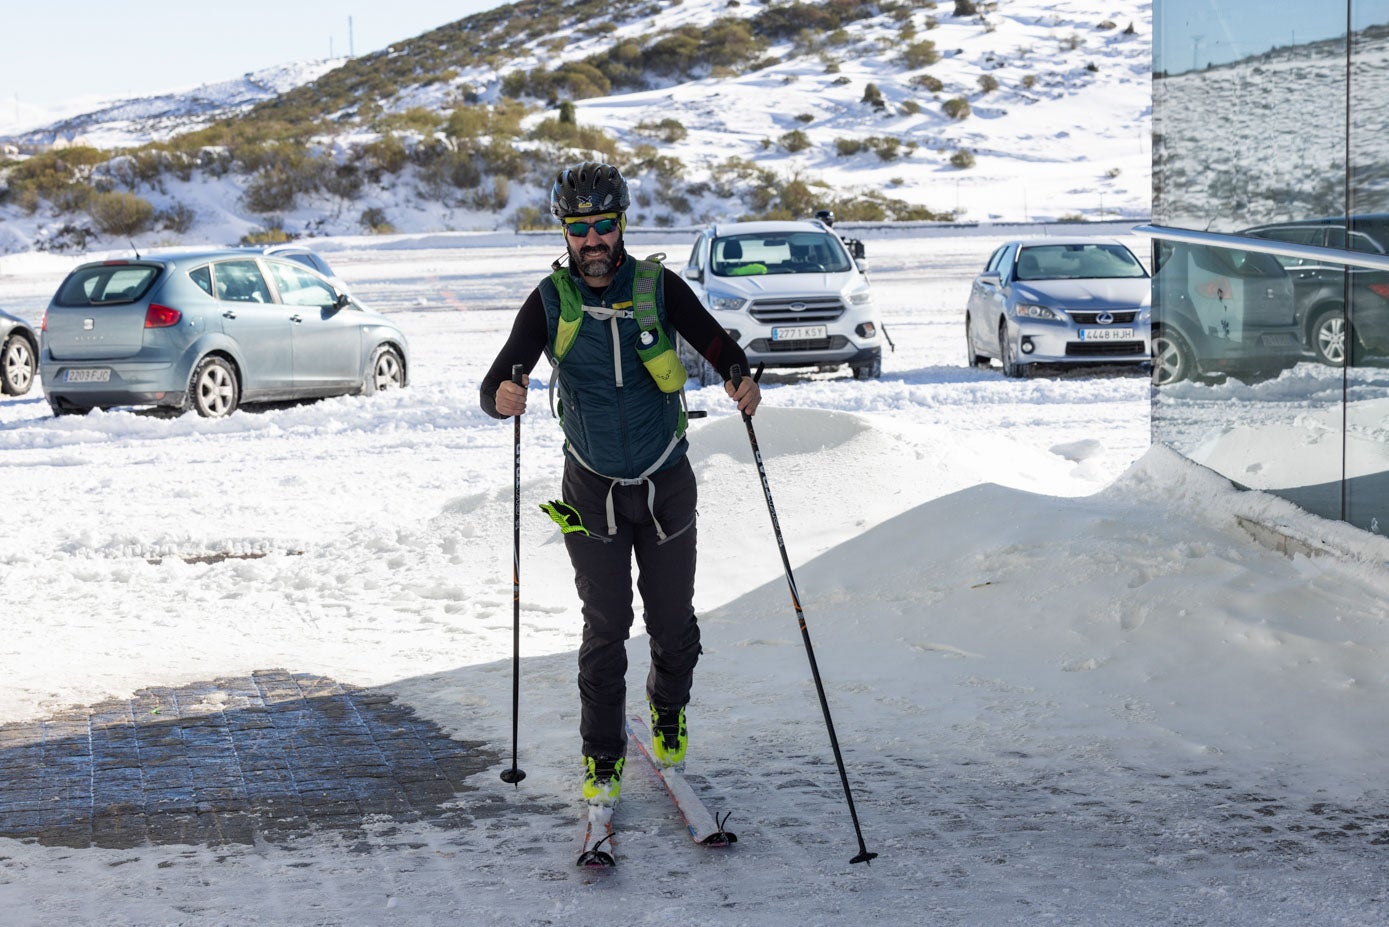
(296, 318)
(229, 314)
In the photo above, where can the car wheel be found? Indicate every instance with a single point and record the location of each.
(17, 366)
(1009, 355)
(214, 390)
(972, 357)
(1173, 359)
(697, 368)
(387, 371)
(871, 370)
(1329, 337)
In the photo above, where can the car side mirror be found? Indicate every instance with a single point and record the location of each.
(693, 273)
(342, 301)
(991, 276)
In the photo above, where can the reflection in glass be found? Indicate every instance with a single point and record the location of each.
(1249, 112)
(1219, 311)
(1232, 388)
(1369, 117)
(1367, 321)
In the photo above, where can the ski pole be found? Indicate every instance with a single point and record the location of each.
(515, 774)
(863, 855)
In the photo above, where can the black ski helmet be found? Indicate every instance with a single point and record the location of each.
(825, 216)
(587, 188)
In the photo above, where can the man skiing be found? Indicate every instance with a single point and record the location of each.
(607, 323)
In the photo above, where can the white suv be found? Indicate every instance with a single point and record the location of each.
(789, 293)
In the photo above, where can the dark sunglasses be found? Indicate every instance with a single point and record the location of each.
(579, 228)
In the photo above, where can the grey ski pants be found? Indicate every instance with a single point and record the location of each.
(603, 577)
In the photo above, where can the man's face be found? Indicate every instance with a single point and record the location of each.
(593, 243)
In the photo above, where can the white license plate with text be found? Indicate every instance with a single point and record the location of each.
(1106, 334)
(87, 375)
(799, 332)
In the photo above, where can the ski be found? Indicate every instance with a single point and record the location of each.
(598, 839)
(705, 829)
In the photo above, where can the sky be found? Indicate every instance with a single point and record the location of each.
(1068, 687)
(1194, 33)
(55, 52)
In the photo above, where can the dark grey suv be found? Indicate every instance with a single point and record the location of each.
(1331, 328)
(1220, 311)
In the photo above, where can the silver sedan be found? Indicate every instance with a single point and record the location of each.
(1063, 301)
(208, 331)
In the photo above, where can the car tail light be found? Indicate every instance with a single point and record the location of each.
(158, 316)
(1380, 289)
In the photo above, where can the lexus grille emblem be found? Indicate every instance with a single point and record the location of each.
(1105, 318)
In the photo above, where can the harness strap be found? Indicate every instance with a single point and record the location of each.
(572, 308)
(644, 477)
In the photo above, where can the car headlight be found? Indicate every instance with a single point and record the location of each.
(721, 303)
(1035, 311)
(859, 297)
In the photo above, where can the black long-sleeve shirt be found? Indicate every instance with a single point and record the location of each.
(530, 335)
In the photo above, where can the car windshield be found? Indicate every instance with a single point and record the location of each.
(106, 284)
(1077, 262)
(779, 253)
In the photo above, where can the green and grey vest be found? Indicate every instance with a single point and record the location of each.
(618, 420)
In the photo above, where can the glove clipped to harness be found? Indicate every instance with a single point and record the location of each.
(564, 515)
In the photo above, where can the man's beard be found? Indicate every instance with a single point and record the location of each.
(597, 261)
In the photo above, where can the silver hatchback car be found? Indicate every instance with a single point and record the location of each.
(1062, 301)
(208, 331)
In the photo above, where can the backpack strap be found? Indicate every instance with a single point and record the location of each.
(571, 313)
(654, 346)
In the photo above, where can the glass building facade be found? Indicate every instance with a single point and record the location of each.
(1270, 238)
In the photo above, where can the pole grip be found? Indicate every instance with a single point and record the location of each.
(517, 372)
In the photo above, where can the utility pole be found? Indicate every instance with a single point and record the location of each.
(351, 49)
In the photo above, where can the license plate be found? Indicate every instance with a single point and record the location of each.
(87, 375)
(1106, 334)
(799, 332)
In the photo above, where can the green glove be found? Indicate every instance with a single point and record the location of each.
(565, 515)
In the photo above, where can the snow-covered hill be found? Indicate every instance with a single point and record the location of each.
(1052, 103)
(1232, 141)
(127, 122)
